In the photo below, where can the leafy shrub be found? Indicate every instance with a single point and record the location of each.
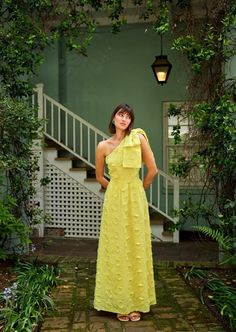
(224, 298)
(26, 301)
(19, 130)
(221, 295)
(11, 227)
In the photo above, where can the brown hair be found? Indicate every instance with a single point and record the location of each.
(125, 109)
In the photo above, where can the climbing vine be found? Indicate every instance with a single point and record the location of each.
(209, 45)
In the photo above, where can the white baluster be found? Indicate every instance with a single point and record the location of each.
(74, 135)
(59, 124)
(158, 190)
(150, 199)
(52, 120)
(66, 130)
(166, 205)
(81, 139)
(45, 114)
(88, 131)
(95, 140)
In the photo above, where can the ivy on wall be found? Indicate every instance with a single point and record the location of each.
(209, 43)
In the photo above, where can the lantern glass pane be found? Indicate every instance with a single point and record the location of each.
(161, 76)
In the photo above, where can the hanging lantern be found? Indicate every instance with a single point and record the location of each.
(161, 67)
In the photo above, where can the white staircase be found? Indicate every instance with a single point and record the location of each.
(73, 197)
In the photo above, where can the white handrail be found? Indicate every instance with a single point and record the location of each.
(66, 128)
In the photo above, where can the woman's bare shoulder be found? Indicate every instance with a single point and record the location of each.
(104, 144)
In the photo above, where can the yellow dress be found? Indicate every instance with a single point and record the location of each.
(124, 277)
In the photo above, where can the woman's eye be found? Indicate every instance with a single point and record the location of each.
(122, 115)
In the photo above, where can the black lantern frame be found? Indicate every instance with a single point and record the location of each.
(161, 68)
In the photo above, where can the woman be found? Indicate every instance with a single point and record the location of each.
(124, 278)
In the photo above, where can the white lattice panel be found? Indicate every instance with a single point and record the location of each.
(71, 206)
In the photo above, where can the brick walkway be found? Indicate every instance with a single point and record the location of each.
(178, 309)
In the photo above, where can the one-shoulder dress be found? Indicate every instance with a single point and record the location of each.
(124, 275)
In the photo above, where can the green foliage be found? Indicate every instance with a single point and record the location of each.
(27, 27)
(221, 295)
(11, 227)
(183, 3)
(31, 26)
(176, 112)
(196, 211)
(214, 122)
(224, 298)
(196, 52)
(197, 273)
(183, 166)
(28, 299)
(19, 128)
(161, 25)
(222, 227)
(215, 234)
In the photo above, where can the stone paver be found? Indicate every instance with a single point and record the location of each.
(177, 308)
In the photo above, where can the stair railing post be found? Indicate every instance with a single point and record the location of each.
(39, 88)
(176, 207)
(38, 149)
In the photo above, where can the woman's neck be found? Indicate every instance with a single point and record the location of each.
(119, 135)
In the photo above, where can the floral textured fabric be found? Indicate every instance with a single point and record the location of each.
(124, 278)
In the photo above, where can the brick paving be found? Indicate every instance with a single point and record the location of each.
(177, 309)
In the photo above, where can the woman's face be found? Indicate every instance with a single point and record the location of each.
(122, 120)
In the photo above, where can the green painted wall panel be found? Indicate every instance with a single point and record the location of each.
(117, 70)
(48, 73)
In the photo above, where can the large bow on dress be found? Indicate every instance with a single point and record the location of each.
(132, 155)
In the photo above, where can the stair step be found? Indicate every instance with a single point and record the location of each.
(167, 233)
(64, 153)
(156, 215)
(78, 169)
(63, 158)
(51, 144)
(167, 225)
(90, 180)
(158, 222)
(76, 162)
(48, 148)
(91, 173)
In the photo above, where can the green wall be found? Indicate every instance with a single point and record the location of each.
(116, 70)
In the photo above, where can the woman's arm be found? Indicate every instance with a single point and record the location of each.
(100, 161)
(149, 161)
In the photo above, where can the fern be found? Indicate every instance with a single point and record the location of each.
(217, 235)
